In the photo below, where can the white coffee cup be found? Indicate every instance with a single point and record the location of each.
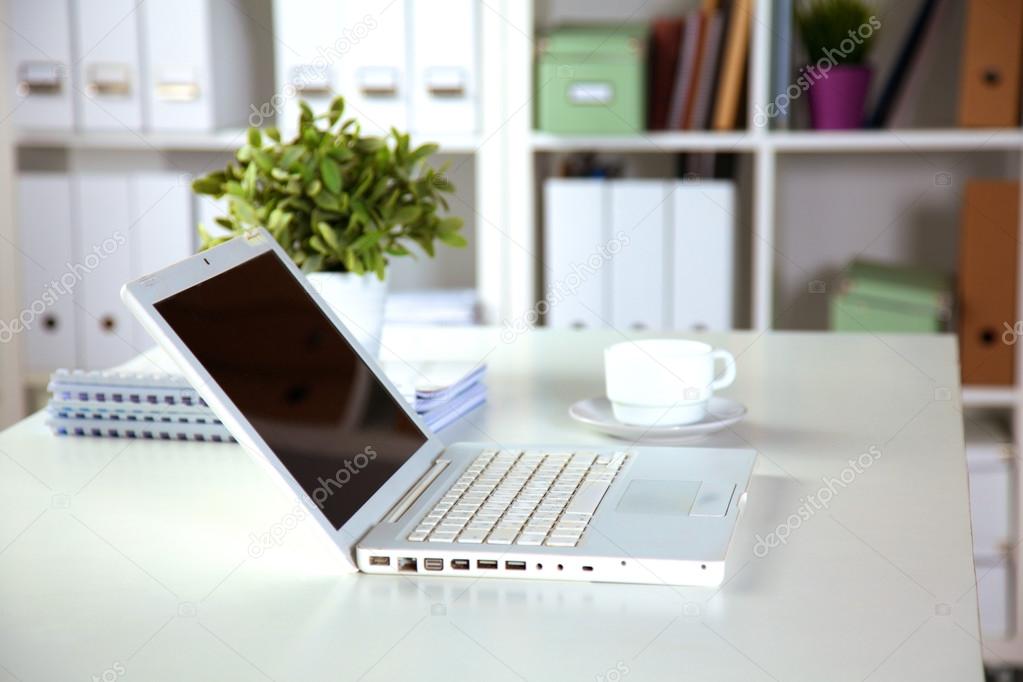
(664, 382)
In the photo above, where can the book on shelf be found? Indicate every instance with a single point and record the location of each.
(906, 64)
(685, 70)
(665, 41)
(733, 65)
(699, 118)
(781, 62)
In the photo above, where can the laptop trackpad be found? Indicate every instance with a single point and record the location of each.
(695, 498)
(658, 497)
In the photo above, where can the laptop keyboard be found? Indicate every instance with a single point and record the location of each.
(523, 498)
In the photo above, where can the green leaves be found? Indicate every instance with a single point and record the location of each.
(826, 27)
(333, 198)
(330, 171)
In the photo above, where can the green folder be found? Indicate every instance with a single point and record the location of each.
(875, 297)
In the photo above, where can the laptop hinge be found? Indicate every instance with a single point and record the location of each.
(416, 491)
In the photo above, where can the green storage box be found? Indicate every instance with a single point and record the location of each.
(592, 80)
(883, 298)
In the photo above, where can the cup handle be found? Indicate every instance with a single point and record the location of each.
(729, 376)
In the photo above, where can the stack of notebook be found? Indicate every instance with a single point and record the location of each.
(118, 404)
(440, 392)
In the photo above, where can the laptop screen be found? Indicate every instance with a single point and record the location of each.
(297, 381)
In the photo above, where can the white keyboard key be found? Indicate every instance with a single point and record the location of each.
(473, 535)
(418, 535)
(561, 541)
(587, 498)
(531, 539)
(443, 536)
(502, 537)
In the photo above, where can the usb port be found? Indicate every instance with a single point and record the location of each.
(433, 564)
(486, 563)
(460, 564)
(515, 565)
(380, 561)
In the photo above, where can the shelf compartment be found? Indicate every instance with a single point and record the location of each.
(225, 141)
(649, 142)
(911, 141)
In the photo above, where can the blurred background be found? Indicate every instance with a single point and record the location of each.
(682, 165)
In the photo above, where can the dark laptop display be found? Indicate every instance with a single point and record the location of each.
(297, 380)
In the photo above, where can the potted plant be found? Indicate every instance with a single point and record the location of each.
(838, 35)
(340, 204)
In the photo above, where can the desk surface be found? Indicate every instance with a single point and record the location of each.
(137, 559)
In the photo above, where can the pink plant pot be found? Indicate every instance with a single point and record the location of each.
(837, 100)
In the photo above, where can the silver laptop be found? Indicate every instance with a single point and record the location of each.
(300, 394)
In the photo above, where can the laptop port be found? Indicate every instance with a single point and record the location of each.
(380, 561)
(486, 563)
(407, 565)
(587, 568)
(433, 564)
(460, 564)
(515, 565)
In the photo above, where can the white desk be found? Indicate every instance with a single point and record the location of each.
(132, 557)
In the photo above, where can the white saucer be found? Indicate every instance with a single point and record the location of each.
(596, 413)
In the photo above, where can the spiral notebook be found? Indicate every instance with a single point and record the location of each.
(164, 406)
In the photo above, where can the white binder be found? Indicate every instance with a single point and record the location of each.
(40, 59)
(195, 51)
(107, 64)
(373, 68)
(308, 69)
(162, 230)
(639, 299)
(102, 249)
(704, 248)
(443, 65)
(575, 233)
(47, 311)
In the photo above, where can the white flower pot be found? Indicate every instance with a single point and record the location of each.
(358, 300)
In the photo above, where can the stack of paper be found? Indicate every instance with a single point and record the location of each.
(113, 404)
(440, 392)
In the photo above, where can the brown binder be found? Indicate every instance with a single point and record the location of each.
(989, 82)
(733, 66)
(988, 253)
(665, 41)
